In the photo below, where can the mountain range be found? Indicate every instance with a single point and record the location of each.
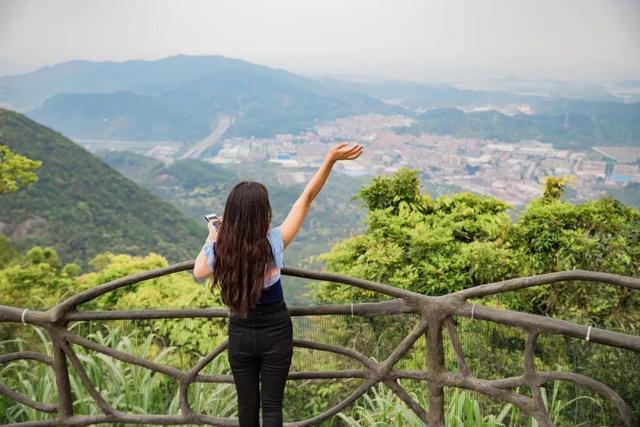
(185, 98)
(178, 98)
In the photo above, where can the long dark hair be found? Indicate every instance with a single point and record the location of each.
(243, 253)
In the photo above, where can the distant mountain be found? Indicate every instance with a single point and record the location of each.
(83, 207)
(501, 92)
(144, 77)
(177, 98)
(431, 96)
(575, 124)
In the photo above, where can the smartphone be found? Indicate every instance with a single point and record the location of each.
(216, 220)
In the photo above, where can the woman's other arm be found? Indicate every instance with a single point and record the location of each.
(201, 268)
(300, 208)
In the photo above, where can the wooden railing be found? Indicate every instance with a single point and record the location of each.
(436, 315)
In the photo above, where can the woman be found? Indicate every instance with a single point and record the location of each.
(244, 259)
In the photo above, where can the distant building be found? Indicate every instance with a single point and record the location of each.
(501, 147)
(592, 168)
(477, 161)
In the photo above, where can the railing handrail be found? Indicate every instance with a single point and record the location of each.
(435, 314)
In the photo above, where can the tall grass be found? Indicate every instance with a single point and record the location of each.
(381, 407)
(33, 379)
(126, 387)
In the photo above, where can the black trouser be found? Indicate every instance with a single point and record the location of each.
(260, 350)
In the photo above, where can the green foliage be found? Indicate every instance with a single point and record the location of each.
(433, 246)
(554, 187)
(599, 235)
(385, 193)
(380, 407)
(429, 246)
(15, 170)
(37, 280)
(82, 207)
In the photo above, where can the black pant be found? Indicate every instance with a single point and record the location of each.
(260, 350)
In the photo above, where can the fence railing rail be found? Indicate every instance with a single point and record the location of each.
(436, 316)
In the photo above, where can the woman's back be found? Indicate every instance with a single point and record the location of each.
(272, 288)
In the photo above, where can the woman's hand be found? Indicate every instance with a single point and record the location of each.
(345, 151)
(213, 231)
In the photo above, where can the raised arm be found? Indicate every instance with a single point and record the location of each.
(300, 208)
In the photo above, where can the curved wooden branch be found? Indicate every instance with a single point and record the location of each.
(487, 388)
(457, 347)
(362, 389)
(547, 279)
(193, 372)
(21, 355)
(86, 382)
(594, 386)
(419, 328)
(369, 363)
(122, 417)
(541, 414)
(11, 394)
(56, 312)
(353, 281)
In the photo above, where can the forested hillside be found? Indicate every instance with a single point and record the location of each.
(82, 207)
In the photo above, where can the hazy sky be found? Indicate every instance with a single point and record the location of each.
(409, 39)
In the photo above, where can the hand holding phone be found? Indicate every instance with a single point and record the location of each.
(214, 219)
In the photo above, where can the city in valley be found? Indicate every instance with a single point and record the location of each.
(512, 172)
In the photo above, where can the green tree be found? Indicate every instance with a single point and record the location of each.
(16, 171)
(429, 246)
(36, 280)
(554, 187)
(599, 235)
